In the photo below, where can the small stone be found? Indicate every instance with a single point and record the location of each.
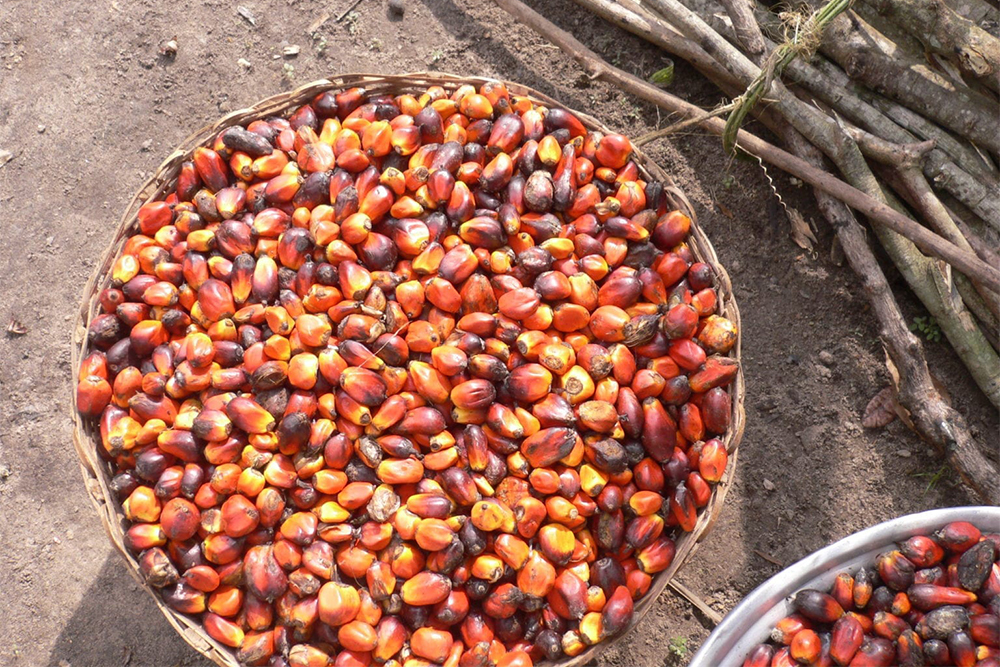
(169, 48)
(904, 453)
(396, 7)
(41, 129)
(247, 15)
(244, 63)
(826, 358)
(146, 145)
(290, 51)
(768, 484)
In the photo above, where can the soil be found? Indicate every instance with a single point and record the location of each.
(89, 106)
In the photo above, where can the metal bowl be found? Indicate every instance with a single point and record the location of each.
(751, 621)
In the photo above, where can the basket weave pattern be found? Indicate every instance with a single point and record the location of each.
(98, 472)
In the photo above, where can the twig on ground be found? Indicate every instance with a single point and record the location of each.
(692, 597)
(351, 8)
(769, 559)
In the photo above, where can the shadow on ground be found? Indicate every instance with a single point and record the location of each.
(118, 625)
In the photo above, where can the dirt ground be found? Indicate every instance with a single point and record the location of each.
(89, 107)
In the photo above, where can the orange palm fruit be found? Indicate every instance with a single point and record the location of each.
(431, 644)
(338, 603)
(426, 588)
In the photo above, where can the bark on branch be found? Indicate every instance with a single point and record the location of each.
(852, 43)
(943, 31)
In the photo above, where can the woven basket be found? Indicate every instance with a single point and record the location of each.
(97, 471)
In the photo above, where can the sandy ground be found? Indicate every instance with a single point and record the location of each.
(89, 108)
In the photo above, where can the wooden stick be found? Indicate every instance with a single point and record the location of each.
(692, 597)
(747, 31)
(926, 240)
(769, 559)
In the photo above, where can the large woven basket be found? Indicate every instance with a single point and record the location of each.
(97, 471)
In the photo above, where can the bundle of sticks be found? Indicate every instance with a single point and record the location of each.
(887, 108)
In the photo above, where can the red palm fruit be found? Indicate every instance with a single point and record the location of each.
(984, 629)
(687, 354)
(843, 590)
(338, 603)
(909, 649)
(786, 629)
(717, 334)
(425, 588)
(657, 556)
(391, 636)
(817, 606)
(247, 415)
(180, 519)
(549, 446)
(529, 383)
(257, 647)
(648, 383)
(608, 323)
(568, 597)
(240, 517)
(922, 551)
(434, 534)
(263, 575)
(223, 630)
(718, 372)
(645, 503)
(805, 646)
(845, 639)
(519, 303)
(874, 652)
(895, 570)
(712, 460)
(700, 490)
(617, 613)
(682, 508)
(928, 596)
(216, 300)
(93, 394)
(690, 422)
(759, 656)
(597, 416)
(716, 410)
(431, 644)
(357, 636)
(659, 433)
(184, 599)
(962, 649)
(157, 569)
(506, 135)
(613, 150)
(211, 168)
(863, 587)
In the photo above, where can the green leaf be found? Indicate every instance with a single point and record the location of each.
(663, 77)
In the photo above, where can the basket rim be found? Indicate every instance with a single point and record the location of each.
(95, 470)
